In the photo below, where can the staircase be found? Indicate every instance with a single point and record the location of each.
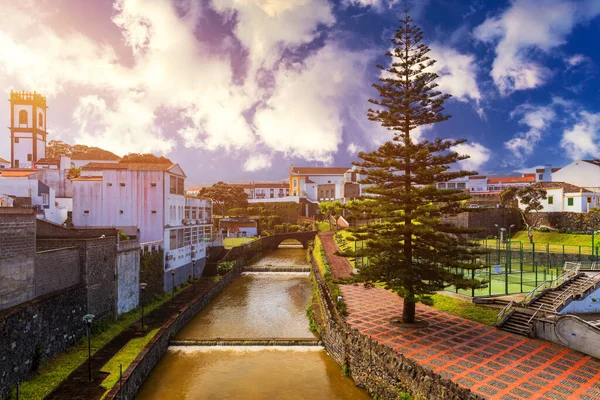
(555, 299)
(548, 297)
(518, 322)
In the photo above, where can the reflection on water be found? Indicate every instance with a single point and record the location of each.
(255, 306)
(261, 305)
(294, 373)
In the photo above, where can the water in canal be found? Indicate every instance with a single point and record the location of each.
(255, 306)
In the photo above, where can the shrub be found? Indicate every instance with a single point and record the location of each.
(293, 228)
(225, 267)
(151, 272)
(279, 228)
(123, 236)
(237, 212)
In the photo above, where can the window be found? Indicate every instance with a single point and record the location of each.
(86, 211)
(180, 184)
(540, 177)
(461, 185)
(272, 193)
(41, 120)
(45, 199)
(153, 211)
(16, 163)
(570, 201)
(589, 200)
(16, 140)
(108, 184)
(295, 183)
(153, 184)
(22, 117)
(120, 211)
(173, 239)
(550, 199)
(179, 238)
(29, 157)
(122, 184)
(173, 184)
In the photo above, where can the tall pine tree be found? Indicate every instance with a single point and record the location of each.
(410, 247)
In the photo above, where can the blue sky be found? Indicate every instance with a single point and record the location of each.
(239, 90)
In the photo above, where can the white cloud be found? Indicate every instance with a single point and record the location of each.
(303, 117)
(537, 119)
(478, 155)
(581, 140)
(354, 149)
(458, 73)
(257, 162)
(576, 60)
(525, 26)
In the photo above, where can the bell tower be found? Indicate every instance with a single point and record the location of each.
(27, 129)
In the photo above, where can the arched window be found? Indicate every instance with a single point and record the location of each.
(22, 117)
(41, 119)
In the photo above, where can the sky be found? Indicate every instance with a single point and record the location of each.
(238, 90)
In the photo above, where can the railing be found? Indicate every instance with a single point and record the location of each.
(151, 246)
(566, 276)
(505, 313)
(536, 292)
(534, 314)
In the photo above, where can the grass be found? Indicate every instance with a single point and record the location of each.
(465, 309)
(55, 371)
(124, 357)
(554, 242)
(323, 226)
(232, 242)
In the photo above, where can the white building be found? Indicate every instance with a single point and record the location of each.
(565, 197)
(264, 190)
(27, 128)
(4, 163)
(149, 197)
(25, 188)
(324, 184)
(583, 173)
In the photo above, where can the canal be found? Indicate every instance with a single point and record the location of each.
(255, 306)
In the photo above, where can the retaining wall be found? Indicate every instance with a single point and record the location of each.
(570, 331)
(38, 330)
(56, 270)
(485, 220)
(378, 368)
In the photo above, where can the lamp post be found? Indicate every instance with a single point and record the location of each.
(510, 246)
(88, 318)
(593, 244)
(173, 289)
(143, 289)
(194, 275)
(498, 242)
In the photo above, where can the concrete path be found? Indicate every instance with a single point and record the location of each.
(340, 267)
(492, 363)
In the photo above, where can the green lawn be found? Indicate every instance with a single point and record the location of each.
(554, 242)
(571, 239)
(56, 370)
(465, 309)
(323, 226)
(232, 242)
(124, 357)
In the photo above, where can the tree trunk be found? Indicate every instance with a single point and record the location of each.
(530, 235)
(408, 310)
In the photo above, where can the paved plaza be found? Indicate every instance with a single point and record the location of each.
(492, 363)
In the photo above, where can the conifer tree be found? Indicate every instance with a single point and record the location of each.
(409, 246)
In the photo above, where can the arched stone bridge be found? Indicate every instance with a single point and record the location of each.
(304, 238)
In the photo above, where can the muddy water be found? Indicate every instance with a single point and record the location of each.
(255, 306)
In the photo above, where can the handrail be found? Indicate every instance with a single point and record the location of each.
(534, 293)
(534, 314)
(504, 311)
(565, 276)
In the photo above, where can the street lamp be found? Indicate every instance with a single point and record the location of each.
(88, 318)
(173, 289)
(510, 246)
(498, 242)
(143, 289)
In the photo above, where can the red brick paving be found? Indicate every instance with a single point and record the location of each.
(340, 267)
(492, 363)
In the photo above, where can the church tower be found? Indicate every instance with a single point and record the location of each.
(27, 129)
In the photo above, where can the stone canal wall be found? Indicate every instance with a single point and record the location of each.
(375, 367)
(140, 368)
(37, 330)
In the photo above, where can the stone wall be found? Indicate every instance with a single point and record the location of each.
(128, 276)
(17, 255)
(564, 220)
(140, 368)
(99, 262)
(485, 220)
(56, 270)
(375, 367)
(38, 330)
(49, 230)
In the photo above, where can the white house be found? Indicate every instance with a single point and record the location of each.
(149, 197)
(564, 197)
(264, 190)
(24, 184)
(324, 184)
(4, 163)
(583, 173)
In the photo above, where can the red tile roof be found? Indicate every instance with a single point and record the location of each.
(513, 179)
(567, 187)
(2, 160)
(319, 170)
(48, 161)
(93, 166)
(16, 173)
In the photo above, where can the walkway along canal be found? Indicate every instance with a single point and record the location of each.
(253, 322)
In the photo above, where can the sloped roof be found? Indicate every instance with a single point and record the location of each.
(97, 166)
(266, 185)
(48, 161)
(319, 170)
(2, 160)
(8, 173)
(513, 179)
(567, 187)
(87, 178)
(98, 154)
